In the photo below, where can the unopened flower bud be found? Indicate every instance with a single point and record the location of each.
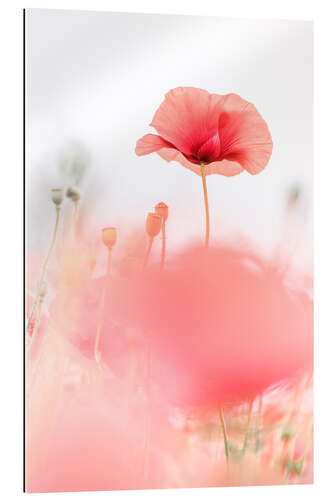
(109, 236)
(73, 193)
(57, 196)
(153, 224)
(162, 210)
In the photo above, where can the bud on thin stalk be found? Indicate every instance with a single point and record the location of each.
(57, 196)
(153, 227)
(109, 236)
(73, 193)
(162, 210)
(153, 224)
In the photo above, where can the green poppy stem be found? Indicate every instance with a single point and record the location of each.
(247, 431)
(257, 444)
(204, 185)
(225, 436)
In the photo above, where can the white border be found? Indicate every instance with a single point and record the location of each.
(11, 232)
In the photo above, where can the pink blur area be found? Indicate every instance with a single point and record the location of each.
(223, 326)
(96, 440)
(213, 328)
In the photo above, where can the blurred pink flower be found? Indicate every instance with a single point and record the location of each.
(223, 326)
(224, 132)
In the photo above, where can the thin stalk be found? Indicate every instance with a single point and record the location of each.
(225, 436)
(73, 224)
(101, 310)
(145, 262)
(163, 245)
(204, 185)
(258, 425)
(247, 431)
(75, 214)
(43, 271)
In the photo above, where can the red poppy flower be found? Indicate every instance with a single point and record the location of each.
(224, 132)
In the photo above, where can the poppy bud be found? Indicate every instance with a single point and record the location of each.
(162, 210)
(109, 236)
(153, 224)
(73, 193)
(57, 196)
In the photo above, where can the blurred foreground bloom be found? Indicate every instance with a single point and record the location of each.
(222, 328)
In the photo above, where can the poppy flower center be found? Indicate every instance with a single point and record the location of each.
(210, 150)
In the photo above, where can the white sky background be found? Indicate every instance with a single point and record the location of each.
(98, 78)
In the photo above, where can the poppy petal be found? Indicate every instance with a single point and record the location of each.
(188, 117)
(150, 143)
(244, 135)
